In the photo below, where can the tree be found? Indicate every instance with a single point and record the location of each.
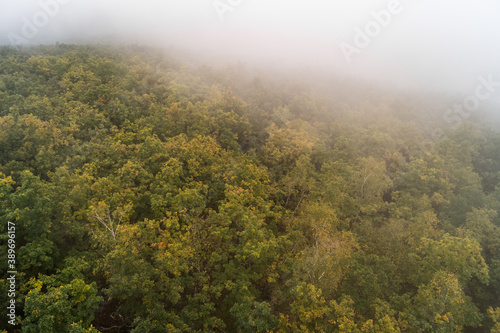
(442, 306)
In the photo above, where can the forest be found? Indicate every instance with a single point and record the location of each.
(153, 193)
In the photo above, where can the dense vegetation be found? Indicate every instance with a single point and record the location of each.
(154, 196)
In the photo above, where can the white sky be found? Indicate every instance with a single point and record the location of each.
(441, 44)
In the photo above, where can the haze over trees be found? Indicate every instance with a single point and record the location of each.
(152, 195)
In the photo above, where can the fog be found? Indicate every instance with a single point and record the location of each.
(425, 45)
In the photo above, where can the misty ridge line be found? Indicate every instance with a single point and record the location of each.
(372, 29)
(302, 36)
(30, 28)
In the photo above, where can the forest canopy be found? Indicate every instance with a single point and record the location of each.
(152, 194)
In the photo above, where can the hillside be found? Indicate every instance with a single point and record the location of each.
(152, 194)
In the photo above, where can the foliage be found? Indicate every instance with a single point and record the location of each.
(151, 195)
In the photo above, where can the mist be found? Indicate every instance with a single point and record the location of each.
(421, 45)
(250, 166)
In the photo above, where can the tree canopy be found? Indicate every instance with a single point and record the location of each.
(153, 195)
